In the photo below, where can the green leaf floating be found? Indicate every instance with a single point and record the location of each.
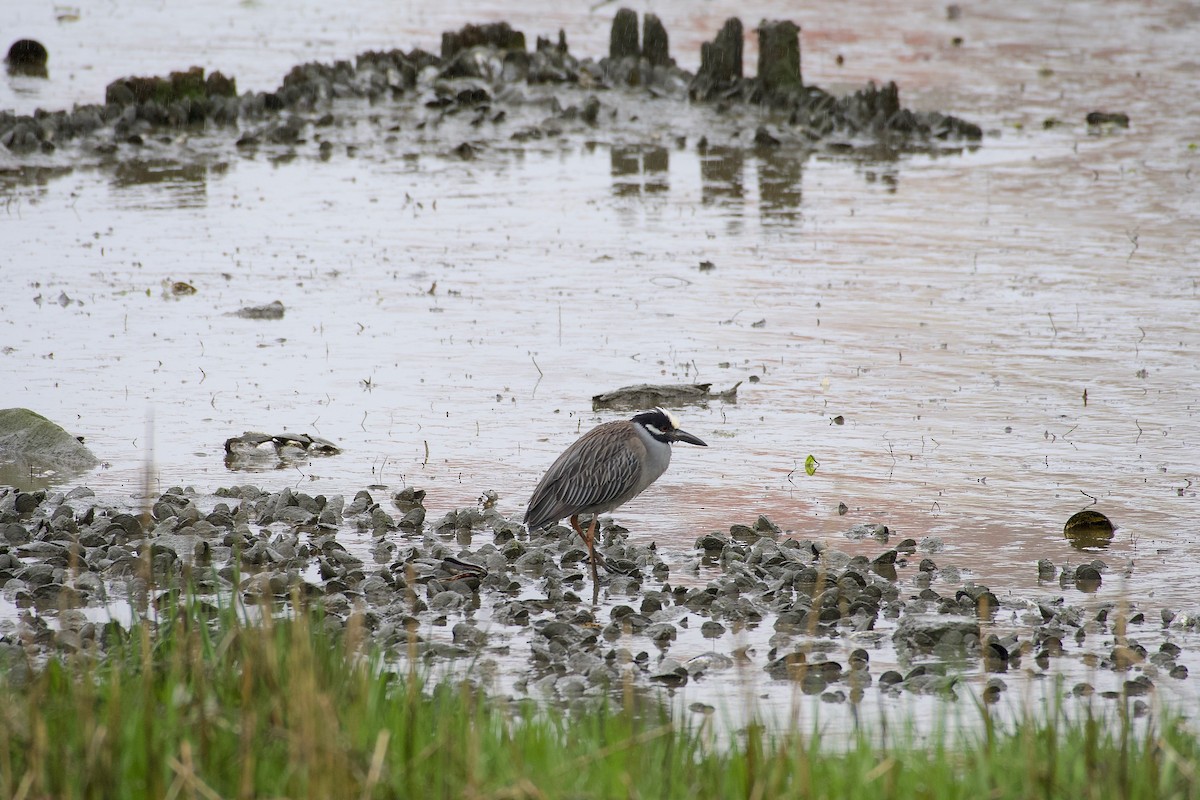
(810, 465)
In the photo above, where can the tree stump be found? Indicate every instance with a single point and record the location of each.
(655, 46)
(720, 61)
(779, 56)
(623, 41)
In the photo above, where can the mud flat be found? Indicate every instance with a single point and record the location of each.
(473, 594)
(507, 92)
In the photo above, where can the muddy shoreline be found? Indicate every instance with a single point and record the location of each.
(508, 94)
(473, 594)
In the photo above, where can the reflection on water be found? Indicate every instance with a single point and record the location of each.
(721, 176)
(656, 163)
(639, 169)
(779, 186)
(777, 173)
(1088, 530)
(28, 177)
(186, 184)
(728, 178)
(28, 477)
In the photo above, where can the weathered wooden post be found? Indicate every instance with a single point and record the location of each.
(779, 56)
(655, 46)
(623, 41)
(720, 61)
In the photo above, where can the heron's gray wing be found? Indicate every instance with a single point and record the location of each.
(600, 468)
(606, 473)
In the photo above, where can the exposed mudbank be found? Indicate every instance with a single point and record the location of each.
(473, 588)
(487, 73)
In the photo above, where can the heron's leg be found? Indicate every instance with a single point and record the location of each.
(591, 543)
(592, 552)
(575, 524)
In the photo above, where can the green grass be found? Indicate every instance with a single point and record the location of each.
(205, 705)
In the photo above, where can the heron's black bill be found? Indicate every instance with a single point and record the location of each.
(684, 436)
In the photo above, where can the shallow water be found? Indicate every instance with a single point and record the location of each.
(448, 321)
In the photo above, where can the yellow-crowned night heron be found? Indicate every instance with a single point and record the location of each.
(605, 468)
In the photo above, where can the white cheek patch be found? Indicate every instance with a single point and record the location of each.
(654, 431)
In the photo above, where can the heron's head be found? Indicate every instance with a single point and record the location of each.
(662, 425)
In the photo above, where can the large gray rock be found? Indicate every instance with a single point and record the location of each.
(28, 437)
(926, 631)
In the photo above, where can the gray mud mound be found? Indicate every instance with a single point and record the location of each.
(27, 437)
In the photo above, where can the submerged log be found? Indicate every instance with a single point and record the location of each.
(648, 395)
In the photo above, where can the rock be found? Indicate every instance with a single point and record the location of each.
(868, 531)
(793, 622)
(591, 110)
(744, 533)
(885, 558)
(1088, 530)
(447, 601)
(890, 678)
(779, 57)
(409, 498)
(29, 438)
(468, 635)
(712, 543)
(1087, 578)
(13, 533)
(23, 137)
(272, 310)
(924, 631)
(791, 666)
(995, 657)
(670, 673)
(556, 630)
(413, 520)
(707, 662)
(763, 138)
(661, 633)
(27, 57)
(1113, 119)
(219, 85)
(26, 503)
